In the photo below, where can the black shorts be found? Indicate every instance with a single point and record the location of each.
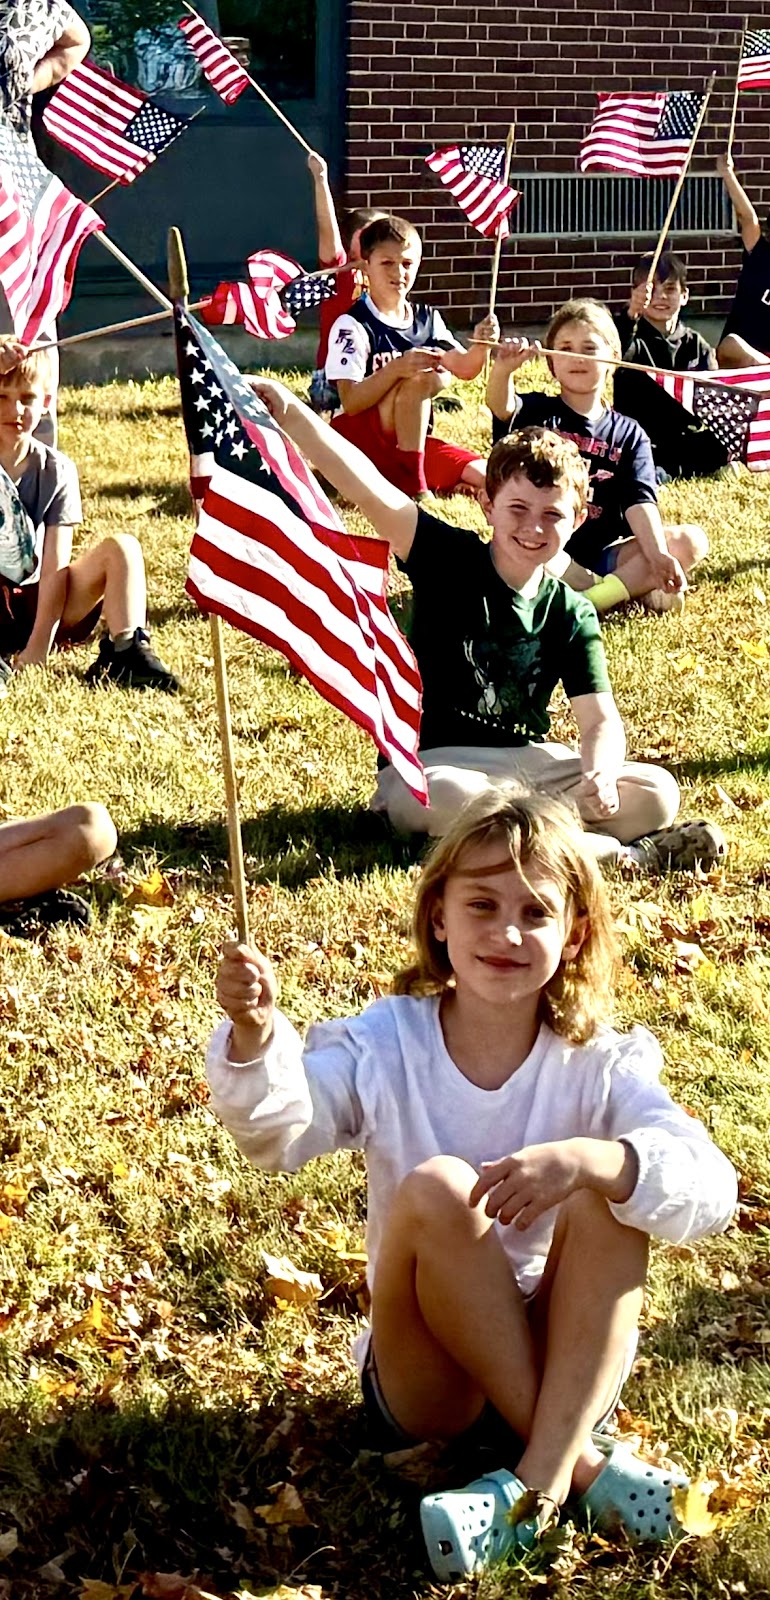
(18, 609)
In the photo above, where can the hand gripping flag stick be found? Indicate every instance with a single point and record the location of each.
(499, 239)
(179, 287)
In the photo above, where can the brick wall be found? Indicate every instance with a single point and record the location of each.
(425, 75)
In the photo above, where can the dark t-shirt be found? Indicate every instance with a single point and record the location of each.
(749, 314)
(680, 445)
(620, 463)
(489, 659)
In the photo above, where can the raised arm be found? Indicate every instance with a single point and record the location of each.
(65, 54)
(330, 246)
(392, 514)
(748, 221)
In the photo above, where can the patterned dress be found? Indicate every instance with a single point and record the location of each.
(28, 29)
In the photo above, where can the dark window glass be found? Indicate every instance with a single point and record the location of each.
(140, 41)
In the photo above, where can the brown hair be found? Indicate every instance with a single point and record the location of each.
(533, 828)
(354, 221)
(387, 229)
(593, 315)
(547, 460)
(670, 266)
(35, 366)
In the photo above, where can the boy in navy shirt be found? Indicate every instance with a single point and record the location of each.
(389, 359)
(622, 550)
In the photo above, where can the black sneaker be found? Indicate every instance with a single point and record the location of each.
(136, 667)
(25, 919)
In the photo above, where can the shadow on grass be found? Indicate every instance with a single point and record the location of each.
(283, 846)
(733, 569)
(110, 1493)
(716, 766)
(169, 499)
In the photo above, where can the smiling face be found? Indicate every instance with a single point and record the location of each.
(506, 931)
(22, 403)
(391, 269)
(582, 379)
(666, 303)
(529, 526)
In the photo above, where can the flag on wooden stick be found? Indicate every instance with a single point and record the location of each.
(116, 129)
(42, 228)
(646, 134)
(754, 69)
(474, 174)
(256, 305)
(272, 557)
(220, 68)
(741, 422)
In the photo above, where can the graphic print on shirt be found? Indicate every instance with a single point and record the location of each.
(505, 667)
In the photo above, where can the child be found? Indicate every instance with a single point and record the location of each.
(493, 635)
(653, 334)
(40, 854)
(337, 243)
(389, 359)
(623, 550)
(62, 601)
(745, 340)
(520, 1153)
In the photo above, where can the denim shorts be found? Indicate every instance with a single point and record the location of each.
(607, 559)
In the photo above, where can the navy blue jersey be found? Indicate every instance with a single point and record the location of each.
(363, 339)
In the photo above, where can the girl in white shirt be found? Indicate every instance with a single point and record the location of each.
(519, 1154)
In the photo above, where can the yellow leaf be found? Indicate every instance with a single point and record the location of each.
(706, 969)
(61, 1388)
(5, 1222)
(94, 1321)
(700, 910)
(755, 649)
(703, 1507)
(94, 1589)
(286, 1282)
(684, 663)
(286, 1511)
(119, 1169)
(153, 891)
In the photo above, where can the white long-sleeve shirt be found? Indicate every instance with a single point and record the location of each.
(384, 1082)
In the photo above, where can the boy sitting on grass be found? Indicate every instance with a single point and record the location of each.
(62, 601)
(493, 635)
(389, 359)
(338, 242)
(40, 854)
(622, 549)
(653, 334)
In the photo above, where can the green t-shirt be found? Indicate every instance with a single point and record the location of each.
(490, 659)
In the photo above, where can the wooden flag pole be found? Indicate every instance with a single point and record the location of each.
(111, 327)
(135, 271)
(679, 186)
(268, 102)
(734, 112)
(180, 289)
(499, 239)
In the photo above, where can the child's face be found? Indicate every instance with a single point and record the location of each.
(666, 302)
(22, 403)
(583, 378)
(529, 526)
(392, 268)
(506, 931)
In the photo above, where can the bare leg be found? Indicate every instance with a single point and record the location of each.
(450, 1328)
(687, 542)
(43, 853)
(411, 409)
(733, 351)
(112, 572)
(475, 474)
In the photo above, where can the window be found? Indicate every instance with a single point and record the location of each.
(141, 42)
(580, 206)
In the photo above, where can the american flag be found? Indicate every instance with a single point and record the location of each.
(741, 422)
(308, 292)
(474, 173)
(258, 304)
(116, 129)
(754, 70)
(42, 227)
(220, 67)
(647, 134)
(271, 556)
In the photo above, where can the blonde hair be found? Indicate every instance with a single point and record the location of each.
(35, 366)
(542, 456)
(592, 314)
(537, 829)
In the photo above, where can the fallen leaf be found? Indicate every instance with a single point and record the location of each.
(95, 1589)
(286, 1511)
(684, 663)
(755, 649)
(287, 1283)
(172, 1586)
(703, 1507)
(153, 891)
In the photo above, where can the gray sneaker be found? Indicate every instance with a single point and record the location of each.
(682, 847)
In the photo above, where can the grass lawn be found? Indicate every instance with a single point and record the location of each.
(162, 1409)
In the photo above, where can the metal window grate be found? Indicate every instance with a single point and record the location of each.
(580, 206)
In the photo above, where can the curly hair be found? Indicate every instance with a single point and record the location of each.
(534, 829)
(542, 456)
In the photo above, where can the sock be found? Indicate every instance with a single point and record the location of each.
(122, 640)
(631, 852)
(608, 592)
(413, 480)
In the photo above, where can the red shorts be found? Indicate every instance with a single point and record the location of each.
(444, 463)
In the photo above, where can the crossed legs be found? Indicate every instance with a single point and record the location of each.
(43, 853)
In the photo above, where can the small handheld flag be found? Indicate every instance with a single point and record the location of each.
(114, 128)
(42, 228)
(474, 175)
(220, 68)
(741, 422)
(257, 305)
(646, 134)
(308, 292)
(754, 69)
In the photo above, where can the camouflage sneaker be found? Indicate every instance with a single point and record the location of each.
(682, 847)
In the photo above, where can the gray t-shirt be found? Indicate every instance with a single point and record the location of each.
(49, 491)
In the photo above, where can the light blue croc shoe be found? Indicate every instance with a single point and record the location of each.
(632, 1496)
(465, 1530)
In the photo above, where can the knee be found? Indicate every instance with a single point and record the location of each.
(95, 832)
(436, 1193)
(689, 544)
(661, 800)
(123, 548)
(587, 1213)
(422, 386)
